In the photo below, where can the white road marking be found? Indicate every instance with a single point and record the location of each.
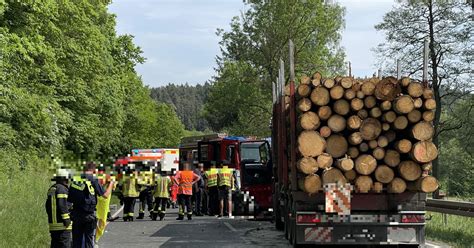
(432, 245)
(117, 212)
(230, 227)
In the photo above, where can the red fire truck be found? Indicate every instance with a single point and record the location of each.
(249, 157)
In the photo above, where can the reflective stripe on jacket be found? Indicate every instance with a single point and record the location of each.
(225, 177)
(211, 176)
(129, 186)
(162, 189)
(57, 208)
(184, 179)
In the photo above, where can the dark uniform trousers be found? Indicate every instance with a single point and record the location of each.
(146, 199)
(184, 201)
(160, 205)
(213, 200)
(60, 239)
(83, 230)
(197, 195)
(129, 206)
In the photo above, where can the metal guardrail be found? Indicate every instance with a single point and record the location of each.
(450, 207)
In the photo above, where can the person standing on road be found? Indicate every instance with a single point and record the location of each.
(225, 181)
(212, 190)
(198, 189)
(162, 195)
(83, 196)
(145, 180)
(129, 187)
(185, 180)
(58, 211)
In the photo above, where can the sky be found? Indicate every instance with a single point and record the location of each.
(179, 41)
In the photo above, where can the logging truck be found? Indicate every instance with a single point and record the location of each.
(351, 159)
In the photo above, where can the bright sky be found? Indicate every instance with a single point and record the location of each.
(178, 36)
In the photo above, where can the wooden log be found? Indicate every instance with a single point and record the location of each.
(365, 164)
(303, 90)
(341, 107)
(387, 89)
(309, 121)
(286, 90)
(389, 116)
(426, 184)
(403, 146)
(349, 94)
(363, 114)
(405, 81)
(311, 184)
(427, 167)
(325, 131)
(357, 85)
(307, 165)
(363, 147)
(320, 96)
(414, 116)
(397, 185)
(377, 187)
(355, 138)
(337, 123)
(353, 152)
(305, 80)
(363, 184)
(415, 89)
(336, 145)
(429, 104)
(357, 104)
(324, 160)
(375, 112)
(338, 79)
(315, 82)
(428, 93)
(333, 175)
(350, 175)
(368, 88)
(392, 158)
(336, 92)
(424, 151)
(409, 170)
(360, 94)
(324, 112)
(345, 164)
(384, 174)
(311, 144)
(354, 122)
(370, 129)
(329, 83)
(401, 122)
(422, 131)
(428, 116)
(370, 102)
(317, 75)
(382, 141)
(385, 126)
(386, 105)
(391, 135)
(378, 153)
(373, 144)
(304, 104)
(417, 102)
(403, 104)
(346, 82)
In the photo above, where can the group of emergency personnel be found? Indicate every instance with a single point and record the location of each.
(71, 206)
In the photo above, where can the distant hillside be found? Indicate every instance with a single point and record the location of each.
(187, 101)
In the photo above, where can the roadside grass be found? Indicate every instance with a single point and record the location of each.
(458, 232)
(23, 219)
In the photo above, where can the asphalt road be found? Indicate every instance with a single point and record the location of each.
(203, 232)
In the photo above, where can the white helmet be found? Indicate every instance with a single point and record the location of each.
(62, 173)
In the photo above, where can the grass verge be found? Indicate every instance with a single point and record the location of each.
(458, 231)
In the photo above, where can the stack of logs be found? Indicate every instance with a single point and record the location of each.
(375, 134)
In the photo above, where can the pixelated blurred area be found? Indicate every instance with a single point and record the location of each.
(338, 198)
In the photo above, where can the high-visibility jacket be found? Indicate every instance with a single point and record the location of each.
(57, 208)
(225, 177)
(185, 179)
(130, 186)
(211, 176)
(145, 178)
(162, 186)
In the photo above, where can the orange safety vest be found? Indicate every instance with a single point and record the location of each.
(185, 183)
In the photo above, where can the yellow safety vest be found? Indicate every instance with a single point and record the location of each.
(129, 186)
(211, 176)
(225, 177)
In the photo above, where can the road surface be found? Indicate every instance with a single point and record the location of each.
(203, 232)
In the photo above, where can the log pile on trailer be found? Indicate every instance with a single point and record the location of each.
(375, 133)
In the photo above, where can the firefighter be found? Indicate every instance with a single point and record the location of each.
(212, 190)
(83, 196)
(58, 211)
(145, 180)
(225, 182)
(185, 180)
(198, 189)
(130, 192)
(161, 194)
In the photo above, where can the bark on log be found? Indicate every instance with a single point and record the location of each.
(324, 112)
(424, 151)
(309, 121)
(311, 144)
(336, 145)
(384, 174)
(325, 131)
(363, 184)
(320, 96)
(392, 158)
(341, 107)
(403, 146)
(365, 164)
(409, 170)
(370, 129)
(397, 185)
(337, 123)
(403, 104)
(333, 175)
(304, 104)
(422, 131)
(336, 92)
(307, 165)
(387, 89)
(324, 160)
